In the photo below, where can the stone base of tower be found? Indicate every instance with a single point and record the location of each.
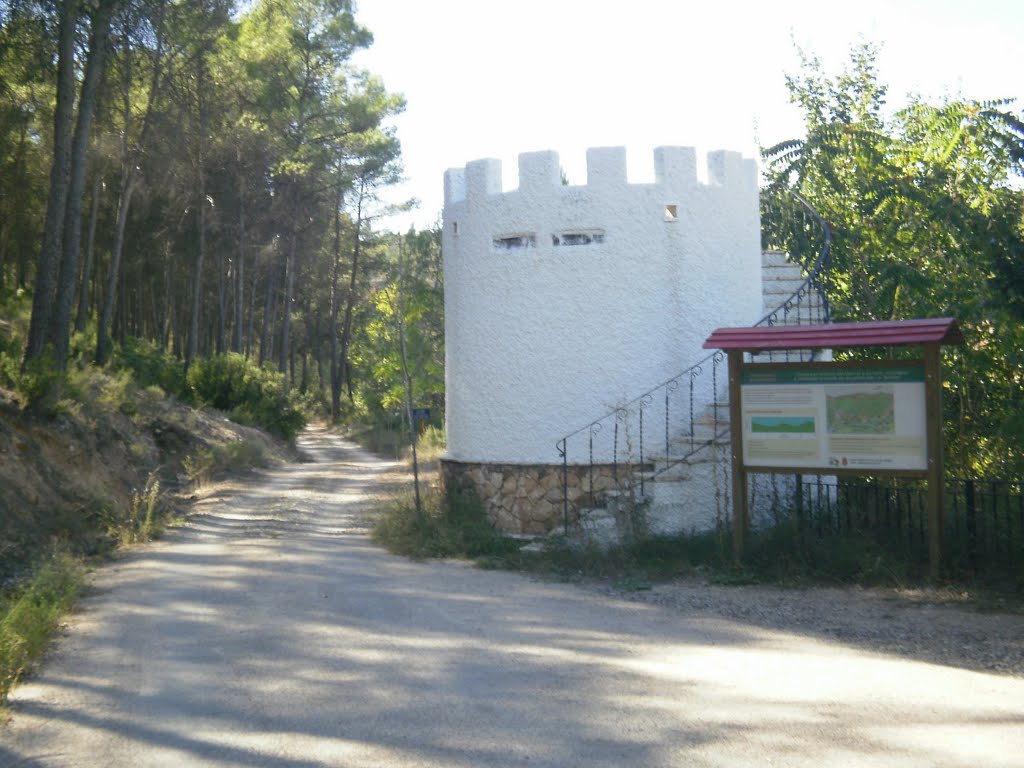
(528, 498)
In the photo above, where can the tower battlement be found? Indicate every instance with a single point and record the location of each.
(540, 173)
(562, 300)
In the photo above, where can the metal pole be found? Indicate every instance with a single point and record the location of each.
(739, 474)
(933, 417)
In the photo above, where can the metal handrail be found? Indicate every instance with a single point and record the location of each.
(811, 286)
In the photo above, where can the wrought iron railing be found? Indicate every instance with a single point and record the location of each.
(687, 413)
(983, 518)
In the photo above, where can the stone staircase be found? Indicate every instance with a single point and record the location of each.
(697, 463)
(669, 447)
(780, 278)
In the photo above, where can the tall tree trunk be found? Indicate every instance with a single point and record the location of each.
(60, 171)
(90, 250)
(197, 279)
(130, 177)
(176, 340)
(316, 344)
(197, 282)
(222, 309)
(350, 300)
(290, 378)
(60, 324)
(237, 335)
(407, 378)
(122, 315)
(304, 380)
(168, 315)
(138, 316)
(335, 308)
(269, 312)
(110, 294)
(286, 319)
(250, 327)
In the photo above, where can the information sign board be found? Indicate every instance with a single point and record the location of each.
(841, 416)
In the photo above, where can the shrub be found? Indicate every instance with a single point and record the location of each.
(42, 385)
(151, 366)
(30, 616)
(451, 525)
(142, 520)
(252, 395)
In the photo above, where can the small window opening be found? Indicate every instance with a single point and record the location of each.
(515, 242)
(577, 238)
(455, 228)
(671, 212)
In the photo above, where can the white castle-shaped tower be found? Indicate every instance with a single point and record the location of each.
(563, 301)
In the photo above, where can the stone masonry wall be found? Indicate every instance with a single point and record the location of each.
(527, 498)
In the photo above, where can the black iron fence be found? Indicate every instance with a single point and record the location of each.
(983, 519)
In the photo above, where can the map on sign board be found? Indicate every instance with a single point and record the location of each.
(857, 410)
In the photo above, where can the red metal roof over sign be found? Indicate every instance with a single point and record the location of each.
(943, 330)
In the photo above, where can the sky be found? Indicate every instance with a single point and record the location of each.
(491, 79)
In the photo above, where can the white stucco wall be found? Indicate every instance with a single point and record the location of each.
(543, 339)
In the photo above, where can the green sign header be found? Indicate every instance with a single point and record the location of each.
(902, 374)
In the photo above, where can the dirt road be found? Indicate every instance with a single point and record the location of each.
(272, 632)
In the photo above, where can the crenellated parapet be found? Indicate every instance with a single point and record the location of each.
(540, 173)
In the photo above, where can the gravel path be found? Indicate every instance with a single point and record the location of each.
(272, 632)
(914, 624)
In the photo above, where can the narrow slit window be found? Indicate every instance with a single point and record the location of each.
(514, 242)
(455, 228)
(671, 212)
(590, 237)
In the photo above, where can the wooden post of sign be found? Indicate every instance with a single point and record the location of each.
(739, 474)
(936, 480)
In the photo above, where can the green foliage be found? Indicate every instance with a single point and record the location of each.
(40, 383)
(11, 332)
(42, 386)
(451, 525)
(431, 443)
(238, 133)
(29, 616)
(151, 366)
(412, 263)
(98, 389)
(925, 205)
(783, 554)
(787, 553)
(252, 395)
(389, 436)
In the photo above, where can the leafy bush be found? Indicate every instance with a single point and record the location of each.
(451, 525)
(101, 390)
(252, 395)
(42, 385)
(9, 365)
(151, 366)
